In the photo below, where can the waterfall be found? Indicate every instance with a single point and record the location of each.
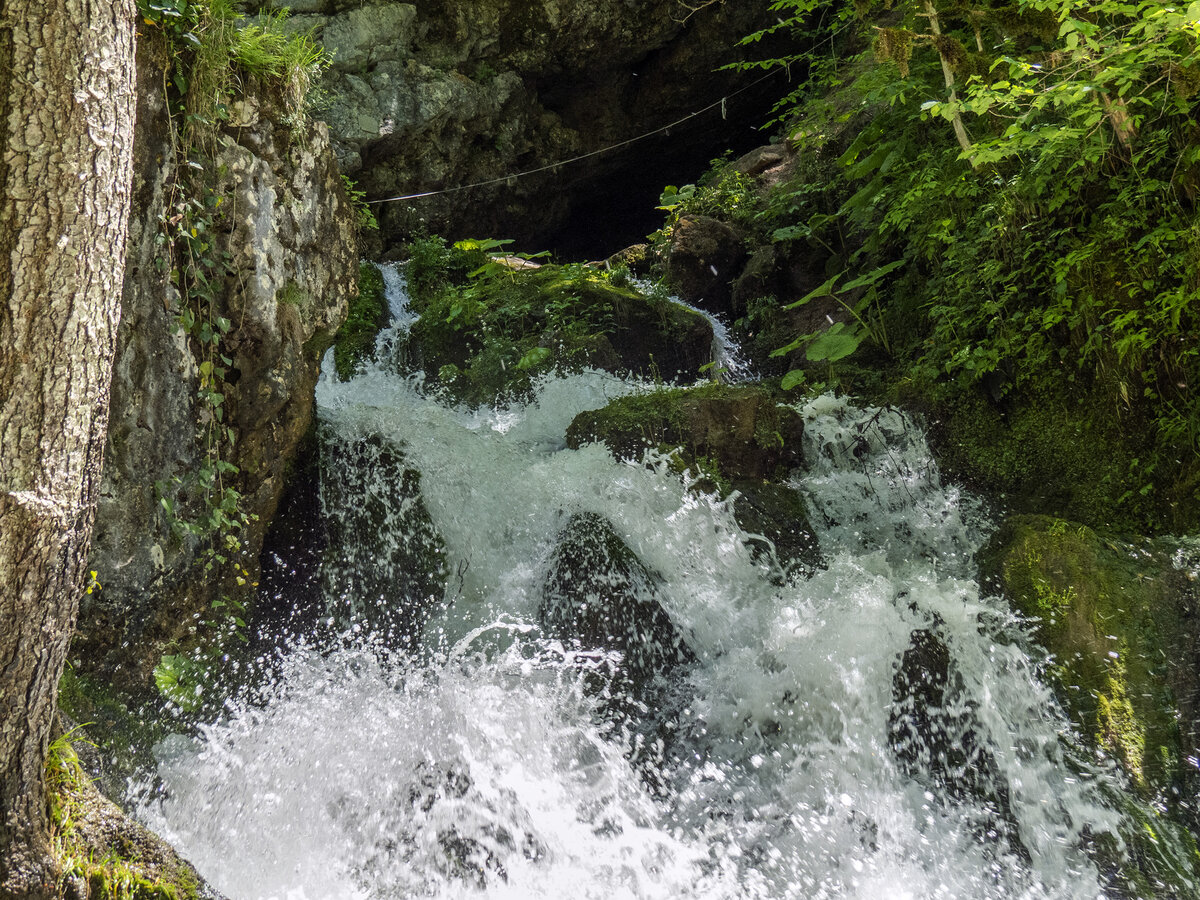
(780, 758)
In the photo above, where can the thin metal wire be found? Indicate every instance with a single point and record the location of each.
(554, 166)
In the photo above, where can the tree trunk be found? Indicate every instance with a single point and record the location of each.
(66, 139)
(960, 130)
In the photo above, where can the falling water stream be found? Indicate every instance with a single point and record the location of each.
(478, 761)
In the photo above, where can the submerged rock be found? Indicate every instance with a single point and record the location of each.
(775, 516)
(384, 566)
(439, 827)
(935, 735)
(599, 596)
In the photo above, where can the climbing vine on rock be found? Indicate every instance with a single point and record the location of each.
(216, 56)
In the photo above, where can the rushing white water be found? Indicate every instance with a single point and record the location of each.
(482, 765)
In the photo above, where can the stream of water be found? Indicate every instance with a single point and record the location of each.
(481, 761)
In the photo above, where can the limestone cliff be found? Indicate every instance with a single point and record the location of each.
(286, 240)
(441, 93)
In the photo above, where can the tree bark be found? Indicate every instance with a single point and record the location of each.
(66, 141)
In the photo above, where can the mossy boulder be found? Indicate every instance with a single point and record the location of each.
(1121, 622)
(704, 257)
(598, 595)
(104, 853)
(736, 438)
(368, 315)
(486, 335)
(738, 430)
(385, 565)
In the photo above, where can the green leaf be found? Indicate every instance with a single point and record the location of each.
(825, 290)
(833, 344)
(533, 358)
(792, 379)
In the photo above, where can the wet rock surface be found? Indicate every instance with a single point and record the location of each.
(1121, 621)
(741, 429)
(704, 258)
(599, 596)
(384, 566)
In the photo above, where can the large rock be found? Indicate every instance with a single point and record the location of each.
(1121, 621)
(384, 565)
(485, 339)
(286, 232)
(599, 596)
(739, 429)
(704, 258)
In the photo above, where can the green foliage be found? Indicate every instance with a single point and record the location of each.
(1030, 177)
(363, 214)
(722, 191)
(368, 313)
(215, 49)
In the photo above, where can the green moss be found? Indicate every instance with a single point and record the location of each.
(368, 314)
(1106, 612)
(1052, 450)
(487, 337)
(728, 432)
(95, 845)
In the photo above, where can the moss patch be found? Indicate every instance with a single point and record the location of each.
(486, 334)
(103, 854)
(1109, 612)
(368, 314)
(740, 430)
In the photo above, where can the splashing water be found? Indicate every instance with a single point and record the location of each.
(484, 764)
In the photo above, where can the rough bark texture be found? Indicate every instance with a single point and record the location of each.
(67, 73)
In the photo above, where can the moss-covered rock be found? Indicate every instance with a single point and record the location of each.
(735, 438)
(1119, 620)
(104, 854)
(485, 336)
(368, 315)
(738, 430)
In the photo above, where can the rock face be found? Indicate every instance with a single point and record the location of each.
(384, 565)
(599, 596)
(442, 93)
(287, 237)
(1121, 622)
